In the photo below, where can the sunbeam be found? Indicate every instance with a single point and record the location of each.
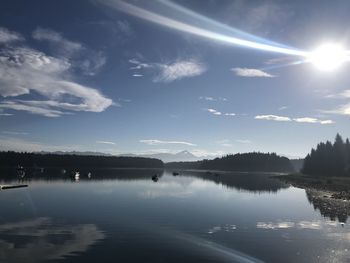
(198, 31)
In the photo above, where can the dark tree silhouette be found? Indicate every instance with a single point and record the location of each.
(254, 161)
(12, 159)
(329, 159)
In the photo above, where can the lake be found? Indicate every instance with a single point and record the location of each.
(123, 216)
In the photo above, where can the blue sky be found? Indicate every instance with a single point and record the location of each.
(161, 76)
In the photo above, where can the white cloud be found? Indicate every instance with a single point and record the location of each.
(7, 36)
(169, 72)
(286, 119)
(215, 112)
(218, 113)
(179, 70)
(106, 142)
(137, 75)
(251, 72)
(342, 95)
(283, 108)
(24, 70)
(272, 118)
(158, 142)
(342, 109)
(313, 120)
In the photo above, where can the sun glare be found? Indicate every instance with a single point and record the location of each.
(328, 57)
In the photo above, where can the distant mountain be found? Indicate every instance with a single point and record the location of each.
(183, 156)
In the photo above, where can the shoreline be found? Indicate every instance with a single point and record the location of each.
(331, 187)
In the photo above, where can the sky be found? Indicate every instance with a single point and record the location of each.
(211, 77)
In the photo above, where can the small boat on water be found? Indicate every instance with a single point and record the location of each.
(21, 173)
(77, 176)
(155, 178)
(175, 173)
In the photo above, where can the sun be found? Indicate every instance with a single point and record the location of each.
(328, 57)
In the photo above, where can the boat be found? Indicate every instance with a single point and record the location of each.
(21, 173)
(155, 178)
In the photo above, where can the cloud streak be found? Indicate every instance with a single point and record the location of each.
(170, 71)
(159, 142)
(219, 113)
(106, 142)
(7, 36)
(288, 119)
(251, 73)
(272, 118)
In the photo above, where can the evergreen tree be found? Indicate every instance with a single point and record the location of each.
(329, 159)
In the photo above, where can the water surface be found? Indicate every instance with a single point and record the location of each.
(124, 216)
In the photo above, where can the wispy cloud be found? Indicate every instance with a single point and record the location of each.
(179, 70)
(86, 60)
(288, 119)
(62, 45)
(207, 98)
(218, 113)
(343, 109)
(168, 72)
(272, 118)
(283, 108)
(215, 112)
(18, 144)
(251, 72)
(7, 36)
(313, 120)
(15, 133)
(224, 143)
(24, 70)
(159, 142)
(106, 142)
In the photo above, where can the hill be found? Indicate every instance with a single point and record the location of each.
(255, 161)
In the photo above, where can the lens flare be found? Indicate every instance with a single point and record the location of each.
(328, 57)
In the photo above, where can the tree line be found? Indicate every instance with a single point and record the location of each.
(12, 159)
(329, 159)
(254, 161)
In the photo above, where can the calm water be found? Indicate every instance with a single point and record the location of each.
(194, 217)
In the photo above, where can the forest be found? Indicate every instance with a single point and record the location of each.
(12, 159)
(329, 159)
(254, 161)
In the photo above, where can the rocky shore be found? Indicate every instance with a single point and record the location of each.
(331, 196)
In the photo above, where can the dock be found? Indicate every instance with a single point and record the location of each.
(12, 186)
